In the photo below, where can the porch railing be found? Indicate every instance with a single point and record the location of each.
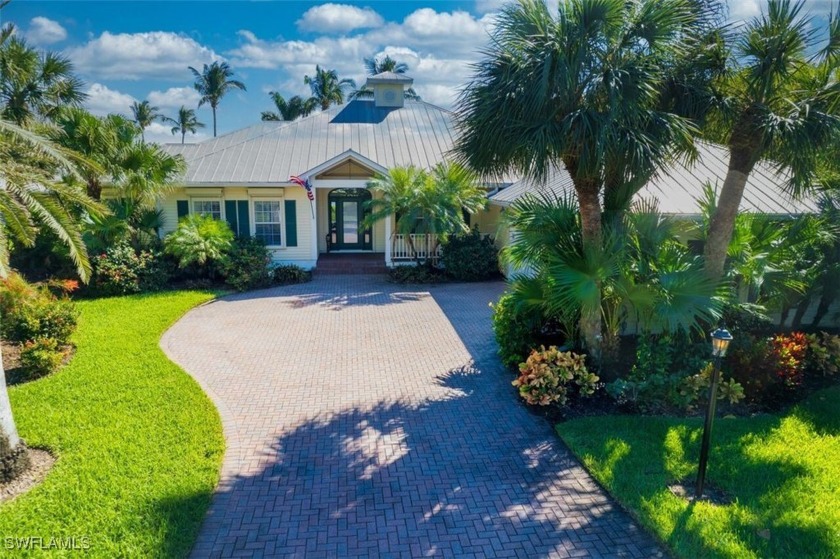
(423, 246)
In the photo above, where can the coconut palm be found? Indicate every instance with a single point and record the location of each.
(375, 65)
(34, 84)
(294, 108)
(145, 114)
(186, 122)
(778, 104)
(579, 89)
(213, 83)
(426, 202)
(327, 88)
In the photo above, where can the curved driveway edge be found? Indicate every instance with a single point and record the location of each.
(365, 419)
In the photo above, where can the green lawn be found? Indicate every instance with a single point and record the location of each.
(139, 445)
(783, 472)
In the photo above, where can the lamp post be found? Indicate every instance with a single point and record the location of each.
(720, 343)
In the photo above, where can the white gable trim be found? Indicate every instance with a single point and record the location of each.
(341, 158)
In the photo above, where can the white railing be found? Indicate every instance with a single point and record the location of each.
(423, 246)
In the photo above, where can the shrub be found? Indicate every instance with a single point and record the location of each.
(769, 368)
(247, 266)
(31, 312)
(121, 270)
(549, 375)
(516, 333)
(41, 357)
(788, 355)
(470, 257)
(419, 273)
(290, 273)
(201, 244)
(823, 354)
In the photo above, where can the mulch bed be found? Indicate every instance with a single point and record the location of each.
(40, 463)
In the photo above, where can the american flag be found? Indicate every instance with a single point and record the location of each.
(306, 185)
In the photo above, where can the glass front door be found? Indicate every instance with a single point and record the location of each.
(347, 207)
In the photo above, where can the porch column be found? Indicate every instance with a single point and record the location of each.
(314, 218)
(389, 242)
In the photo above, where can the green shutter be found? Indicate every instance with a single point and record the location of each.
(244, 218)
(183, 208)
(291, 223)
(231, 218)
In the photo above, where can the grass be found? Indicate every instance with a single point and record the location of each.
(782, 471)
(139, 445)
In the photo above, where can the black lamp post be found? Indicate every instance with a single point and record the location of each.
(720, 343)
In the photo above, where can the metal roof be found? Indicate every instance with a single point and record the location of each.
(417, 134)
(389, 77)
(679, 186)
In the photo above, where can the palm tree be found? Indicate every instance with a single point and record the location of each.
(777, 105)
(327, 89)
(145, 114)
(28, 191)
(34, 84)
(136, 170)
(295, 107)
(426, 202)
(213, 83)
(375, 65)
(582, 90)
(186, 122)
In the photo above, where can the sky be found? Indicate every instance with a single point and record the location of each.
(136, 50)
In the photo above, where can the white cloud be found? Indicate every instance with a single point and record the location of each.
(740, 10)
(44, 31)
(338, 18)
(162, 134)
(134, 56)
(174, 97)
(102, 100)
(437, 46)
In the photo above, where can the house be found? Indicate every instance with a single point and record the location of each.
(245, 178)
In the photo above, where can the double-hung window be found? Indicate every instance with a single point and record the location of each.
(212, 208)
(267, 221)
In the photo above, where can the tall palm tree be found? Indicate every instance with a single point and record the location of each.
(213, 83)
(28, 191)
(145, 114)
(375, 65)
(294, 108)
(187, 121)
(326, 88)
(777, 104)
(34, 84)
(578, 89)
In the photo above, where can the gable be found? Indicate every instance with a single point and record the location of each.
(347, 169)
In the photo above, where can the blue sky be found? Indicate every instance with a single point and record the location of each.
(128, 51)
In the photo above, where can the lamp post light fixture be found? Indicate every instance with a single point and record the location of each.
(721, 339)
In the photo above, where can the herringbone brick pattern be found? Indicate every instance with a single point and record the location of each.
(365, 419)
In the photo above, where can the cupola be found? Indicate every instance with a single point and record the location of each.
(389, 88)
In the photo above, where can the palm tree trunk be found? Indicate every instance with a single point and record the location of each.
(94, 189)
(741, 163)
(590, 221)
(214, 119)
(183, 136)
(13, 457)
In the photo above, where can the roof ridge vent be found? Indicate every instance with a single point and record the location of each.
(389, 88)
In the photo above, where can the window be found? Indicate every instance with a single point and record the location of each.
(213, 208)
(267, 218)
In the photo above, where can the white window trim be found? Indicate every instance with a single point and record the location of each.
(252, 211)
(193, 199)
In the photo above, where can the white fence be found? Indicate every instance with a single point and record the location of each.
(401, 248)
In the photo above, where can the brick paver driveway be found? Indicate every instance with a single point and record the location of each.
(367, 419)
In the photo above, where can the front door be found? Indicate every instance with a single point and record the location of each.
(348, 208)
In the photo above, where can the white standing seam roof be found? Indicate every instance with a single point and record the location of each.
(679, 186)
(418, 134)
